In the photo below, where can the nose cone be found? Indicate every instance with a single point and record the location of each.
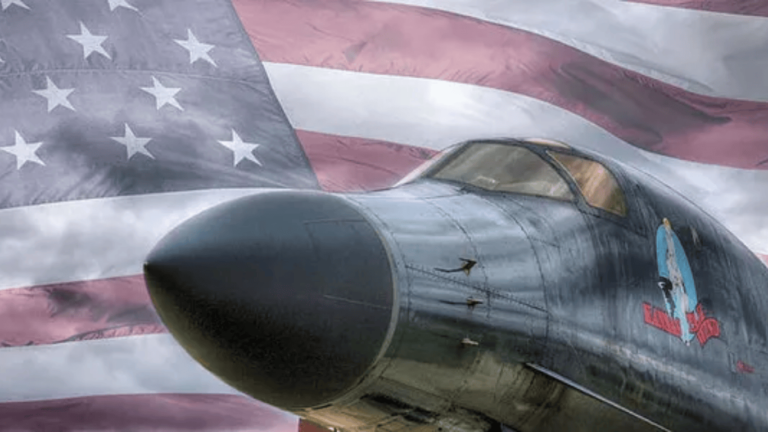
(287, 296)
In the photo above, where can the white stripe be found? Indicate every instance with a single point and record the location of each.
(713, 54)
(435, 114)
(128, 365)
(93, 239)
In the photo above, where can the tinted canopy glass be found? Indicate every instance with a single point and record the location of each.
(500, 167)
(596, 183)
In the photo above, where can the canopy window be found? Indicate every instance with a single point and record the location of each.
(504, 168)
(596, 183)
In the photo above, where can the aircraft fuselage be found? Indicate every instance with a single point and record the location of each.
(457, 301)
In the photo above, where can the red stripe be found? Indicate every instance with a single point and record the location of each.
(406, 40)
(739, 7)
(146, 412)
(345, 164)
(763, 257)
(76, 311)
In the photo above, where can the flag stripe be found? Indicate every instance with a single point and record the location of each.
(435, 114)
(428, 113)
(166, 412)
(344, 164)
(763, 257)
(741, 7)
(690, 49)
(93, 239)
(127, 365)
(405, 40)
(76, 311)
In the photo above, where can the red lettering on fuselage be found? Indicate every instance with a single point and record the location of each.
(659, 319)
(698, 323)
(744, 368)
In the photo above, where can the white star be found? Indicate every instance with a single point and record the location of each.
(133, 144)
(242, 150)
(24, 152)
(55, 95)
(163, 95)
(90, 43)
(197, 50)
(7, 3)
(114, 4)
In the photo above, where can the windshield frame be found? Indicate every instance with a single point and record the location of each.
(552, 153)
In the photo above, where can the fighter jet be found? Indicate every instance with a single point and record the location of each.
(506, 284)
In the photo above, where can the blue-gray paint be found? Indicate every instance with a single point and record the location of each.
(557, 286)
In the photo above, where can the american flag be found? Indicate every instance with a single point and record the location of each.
(121, 118)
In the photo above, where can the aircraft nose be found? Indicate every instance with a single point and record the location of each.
(287, 296)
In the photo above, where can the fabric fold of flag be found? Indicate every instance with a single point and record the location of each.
(167, 412)
(405, 40)
(741, 7)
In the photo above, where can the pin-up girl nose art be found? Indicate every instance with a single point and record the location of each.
(675, 278)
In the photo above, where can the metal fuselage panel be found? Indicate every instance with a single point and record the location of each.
(498, 303)
(563, 288)
(461, 335)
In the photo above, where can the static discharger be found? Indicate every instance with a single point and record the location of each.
(469, 342)
(472, 302)
(466, 267)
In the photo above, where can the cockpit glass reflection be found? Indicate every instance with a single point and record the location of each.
(506, 168)
(596, 183)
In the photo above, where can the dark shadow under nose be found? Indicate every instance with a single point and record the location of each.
(287, 296)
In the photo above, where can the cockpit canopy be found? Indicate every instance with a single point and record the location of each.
(505, 168)
(552, 171)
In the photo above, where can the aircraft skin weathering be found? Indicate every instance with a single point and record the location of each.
(505, 285)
